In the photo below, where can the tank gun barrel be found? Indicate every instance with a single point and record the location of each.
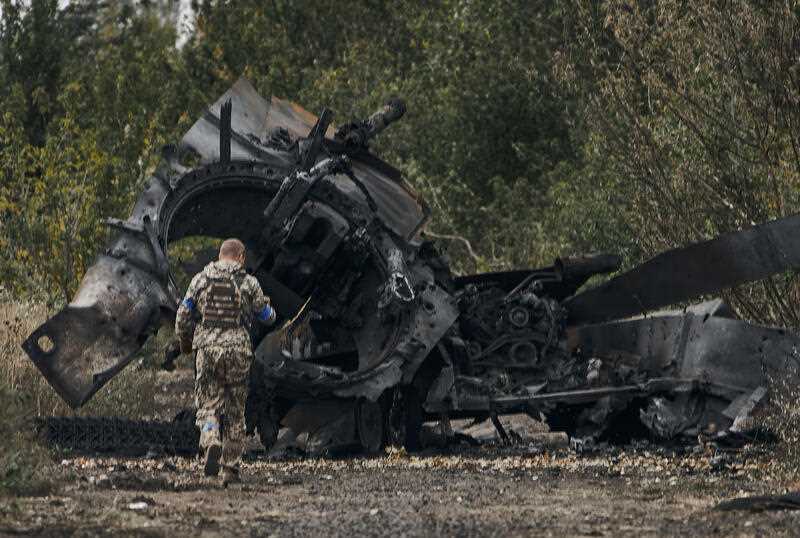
(361, 132)
(392, 110)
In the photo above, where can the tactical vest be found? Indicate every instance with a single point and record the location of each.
(223, 304)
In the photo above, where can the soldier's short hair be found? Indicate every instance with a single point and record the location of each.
(231, 249)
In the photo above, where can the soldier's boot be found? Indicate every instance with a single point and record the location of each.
(231, 457)
(213, 454)
(211, 442)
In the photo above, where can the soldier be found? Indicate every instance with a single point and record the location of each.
(226, 300)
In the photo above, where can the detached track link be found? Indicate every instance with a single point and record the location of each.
(112, 435)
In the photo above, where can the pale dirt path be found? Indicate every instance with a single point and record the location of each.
(486, 492)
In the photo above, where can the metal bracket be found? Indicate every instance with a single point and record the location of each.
(124, 225)
(501, 431)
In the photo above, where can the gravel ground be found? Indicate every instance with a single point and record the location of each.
(642, 490)
(494, 491)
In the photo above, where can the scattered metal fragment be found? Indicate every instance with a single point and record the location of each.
(761, 503)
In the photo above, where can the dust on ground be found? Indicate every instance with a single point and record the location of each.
(643, 490)
(479, 492)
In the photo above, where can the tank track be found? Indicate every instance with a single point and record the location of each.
(119, 436)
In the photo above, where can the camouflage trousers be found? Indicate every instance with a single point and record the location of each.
(220, 394)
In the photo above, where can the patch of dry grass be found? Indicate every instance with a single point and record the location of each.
(23, 463)
(783, 418)
(24, 394)
(129, 394)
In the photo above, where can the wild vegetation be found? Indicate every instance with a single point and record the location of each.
(24, 395)
(534, 129)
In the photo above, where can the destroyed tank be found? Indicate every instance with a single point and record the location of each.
(377, 337)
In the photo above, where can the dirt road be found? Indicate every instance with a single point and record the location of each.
(478, 492)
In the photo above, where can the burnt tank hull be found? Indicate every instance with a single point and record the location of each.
(376, 336)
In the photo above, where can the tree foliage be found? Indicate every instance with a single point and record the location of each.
(80, 130)
(534, 128)
(695, 105)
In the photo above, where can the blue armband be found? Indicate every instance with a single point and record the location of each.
(266, 313)
(189, 303)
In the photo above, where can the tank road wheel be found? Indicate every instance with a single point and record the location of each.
(369, 425)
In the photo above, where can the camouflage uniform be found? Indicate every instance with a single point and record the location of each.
(227, 300)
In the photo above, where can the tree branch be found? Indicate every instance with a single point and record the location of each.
(463, 240)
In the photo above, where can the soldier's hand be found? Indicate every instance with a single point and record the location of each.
(186, 347)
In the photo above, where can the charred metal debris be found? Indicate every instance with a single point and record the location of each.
(378, 337)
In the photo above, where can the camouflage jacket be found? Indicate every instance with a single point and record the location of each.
(255, 305)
